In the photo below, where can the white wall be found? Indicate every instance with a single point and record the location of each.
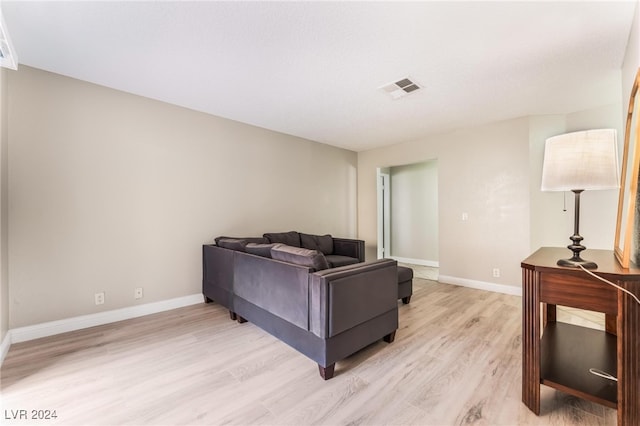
(483, 171)
(110, 191)
(630, 69)
(631, 61)
(4, 267)
(414, 211)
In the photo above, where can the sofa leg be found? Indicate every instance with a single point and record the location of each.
(207, 300)
(327, 372)
(406, 300)
(240, 319)
(390, 337)
(233, 316)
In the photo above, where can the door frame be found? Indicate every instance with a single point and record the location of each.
(383, 180)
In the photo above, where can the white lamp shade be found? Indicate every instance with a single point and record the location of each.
(581, 160)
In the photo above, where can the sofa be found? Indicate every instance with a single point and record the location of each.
(313, 292)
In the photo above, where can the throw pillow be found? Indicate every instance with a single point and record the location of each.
(257, 240)
(300, 256)
(232, 244)
(263, 250)
(322, 243)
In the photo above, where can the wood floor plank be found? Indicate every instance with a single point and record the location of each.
(456, 360)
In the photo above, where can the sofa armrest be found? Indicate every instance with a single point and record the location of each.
(217, 274)
(349, 247)
(342, 298)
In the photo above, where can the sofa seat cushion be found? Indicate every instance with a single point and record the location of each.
(291, 238)
(322, 243)
(300, 256)
(335, 260)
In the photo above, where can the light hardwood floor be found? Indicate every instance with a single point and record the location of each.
(456, 360)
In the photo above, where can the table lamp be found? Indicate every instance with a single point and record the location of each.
(576, 162)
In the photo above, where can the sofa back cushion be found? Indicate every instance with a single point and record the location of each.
(322, 243)
(300, 256)
(263, 250)
(291, 238)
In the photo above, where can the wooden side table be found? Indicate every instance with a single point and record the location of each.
(561, 355)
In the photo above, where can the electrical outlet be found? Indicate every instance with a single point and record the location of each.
(100, 298)
(496, 272)
(138, 293)
(465, 216)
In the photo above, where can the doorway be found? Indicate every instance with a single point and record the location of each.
(408, 216)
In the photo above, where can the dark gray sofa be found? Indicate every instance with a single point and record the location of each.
(325, 314)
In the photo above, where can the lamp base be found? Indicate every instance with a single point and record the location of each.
(576, 262)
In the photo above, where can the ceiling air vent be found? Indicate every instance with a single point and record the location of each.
(400, 88)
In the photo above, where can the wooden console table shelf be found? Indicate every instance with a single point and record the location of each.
(560, 355)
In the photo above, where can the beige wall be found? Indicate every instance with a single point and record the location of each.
(492, 173)
(414, 211)
(550, 224)
(4, 267)
(484, 172)
(110, 191)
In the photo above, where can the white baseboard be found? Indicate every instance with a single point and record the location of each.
(23, 334)
(51, 328)
(481, 285)
(422, 262)
(4, 346)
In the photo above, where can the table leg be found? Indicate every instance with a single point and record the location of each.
(611, 324)
(628, 356)
(548, 314)
(531, 339)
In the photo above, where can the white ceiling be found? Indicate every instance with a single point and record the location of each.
(313, 69)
